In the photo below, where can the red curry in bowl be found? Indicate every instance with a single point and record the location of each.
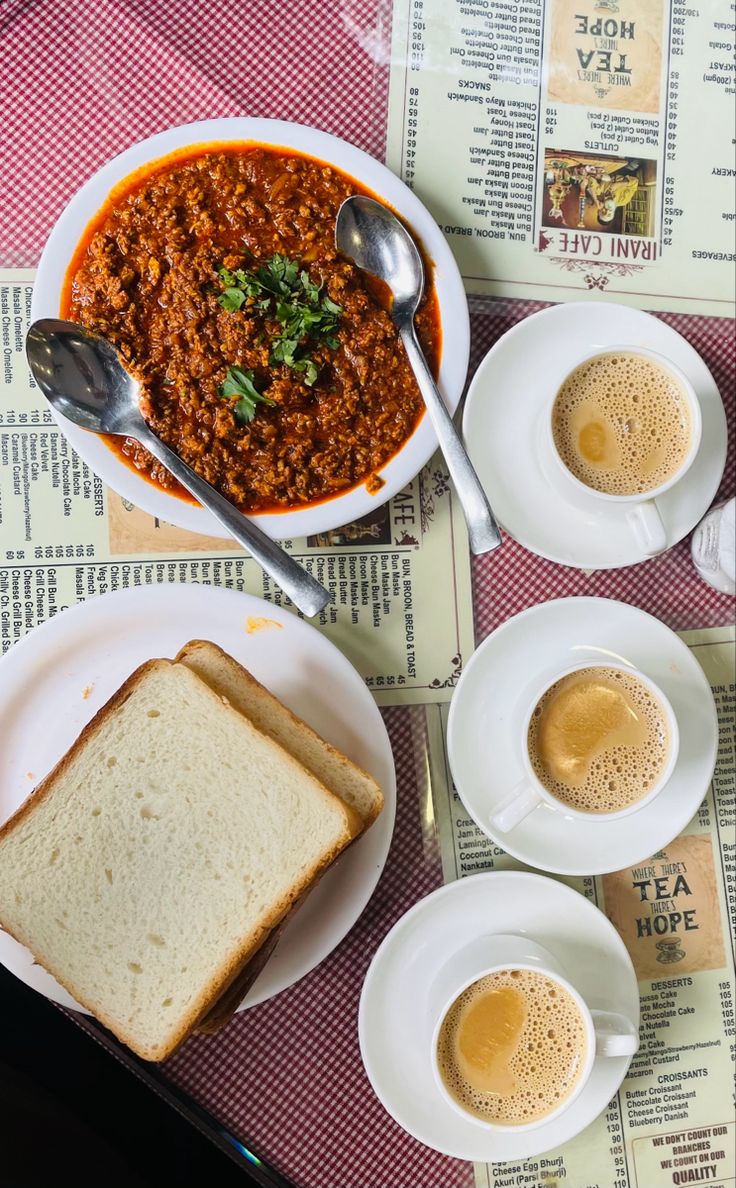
(266, 360)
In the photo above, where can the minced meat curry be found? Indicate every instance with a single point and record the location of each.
(267, 361)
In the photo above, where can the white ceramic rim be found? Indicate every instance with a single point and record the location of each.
(564, 914)
(695, 418)
(454, 319)
(660, 783)
(625, 628)
(355, 876)
(527, 503)
(583, 1078)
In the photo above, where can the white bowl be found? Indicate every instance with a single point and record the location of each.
(455, 326)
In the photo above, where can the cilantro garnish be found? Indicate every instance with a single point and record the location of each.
(279, 289)
(240, 383)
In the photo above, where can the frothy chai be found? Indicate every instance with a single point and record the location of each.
(621, 424)
(598, 740)
(512, 1047)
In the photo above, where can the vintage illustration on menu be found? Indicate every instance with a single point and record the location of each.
(132, 530)
(373, 529)
(597, 193)
(606, 54)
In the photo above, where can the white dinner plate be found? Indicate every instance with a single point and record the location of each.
(453, 308)
(503, 426)
(395, 1023)
(484, 739)
(55, 679)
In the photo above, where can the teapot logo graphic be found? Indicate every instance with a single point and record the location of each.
(670, 951)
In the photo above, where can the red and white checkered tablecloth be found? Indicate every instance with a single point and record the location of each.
(80, 82)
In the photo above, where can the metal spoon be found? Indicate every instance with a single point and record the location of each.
(82, 377)
(370, 235)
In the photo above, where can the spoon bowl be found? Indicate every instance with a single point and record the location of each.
(81, 376)
(373, 238)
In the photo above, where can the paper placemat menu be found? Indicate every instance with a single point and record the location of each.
(65, 536)
(573, 147)
(672, 1122)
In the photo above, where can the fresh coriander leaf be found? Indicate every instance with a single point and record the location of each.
(283, 351)
(273, 270)
(310, 318)
(284, 311)
(240, 383)
(273, 275)
(312, 291)
(232, 299)
(281, 271)
(245, 410)
(310, 369)
(288, 293)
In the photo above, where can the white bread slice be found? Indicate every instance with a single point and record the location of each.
(159, 854)
(241, 689)
(232, 681)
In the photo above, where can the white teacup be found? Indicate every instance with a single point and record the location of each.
(606, 1034)
(530, 792)
(640, 509)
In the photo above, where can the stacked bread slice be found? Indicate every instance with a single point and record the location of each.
(238, 687)
(344, 778)
(161, 854)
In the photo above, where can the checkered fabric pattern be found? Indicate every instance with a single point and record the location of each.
(81, 82)
(295, 1082)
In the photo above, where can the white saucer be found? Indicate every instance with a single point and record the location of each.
(502, 426)
(395, 1025)
(485, 753)
(56, 678)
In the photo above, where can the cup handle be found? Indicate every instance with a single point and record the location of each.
(614, 1035)
(649, 530)
(522, 801)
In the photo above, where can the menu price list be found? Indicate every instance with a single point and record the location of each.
(554, 141)
(66, 537)
(671, 1123)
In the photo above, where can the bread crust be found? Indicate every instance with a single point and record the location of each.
(194, 645)
(218, 985)
(223, 1010)
(234, 962)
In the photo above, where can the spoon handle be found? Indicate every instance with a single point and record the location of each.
(482, 527)
(304, 591)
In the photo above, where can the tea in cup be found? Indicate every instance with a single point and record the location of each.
(514, 1043)
(624, 426)
(599, 741)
